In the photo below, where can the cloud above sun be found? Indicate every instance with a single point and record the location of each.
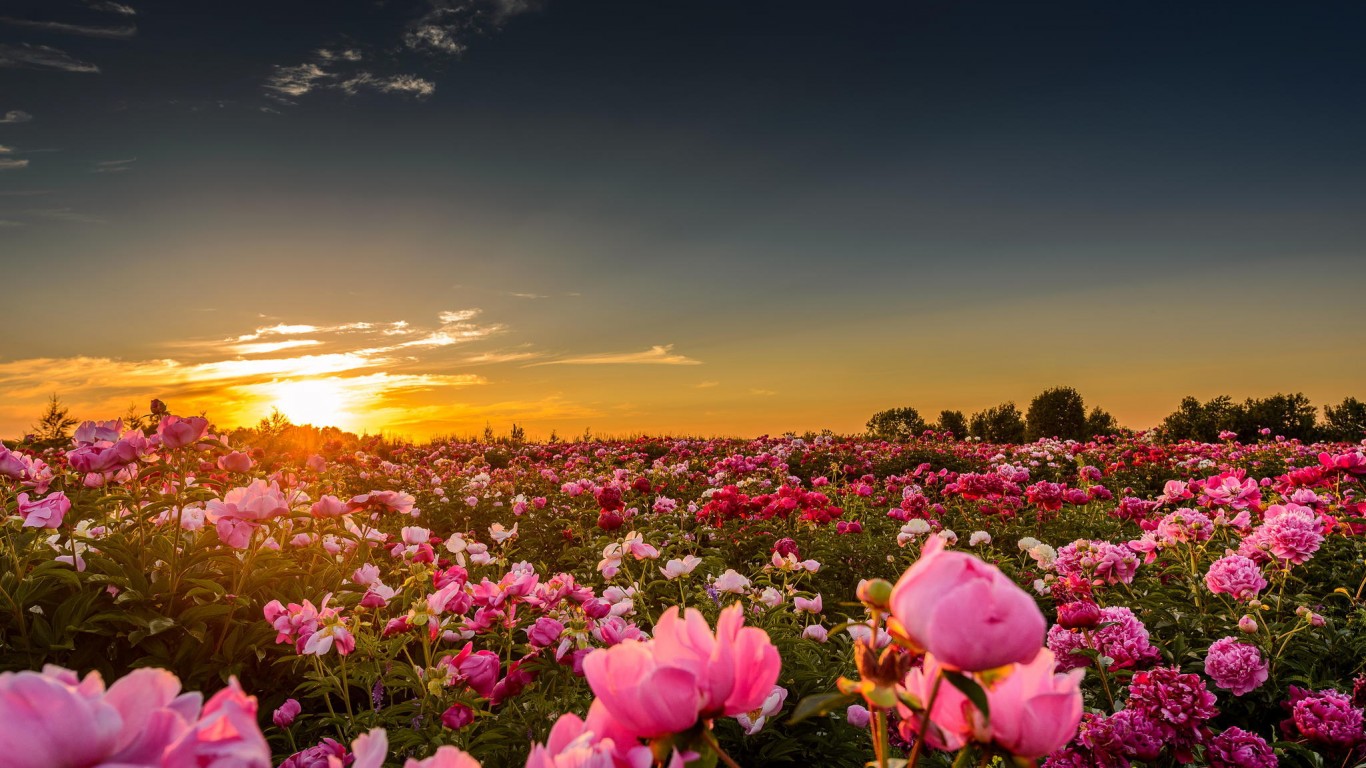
(360, 375)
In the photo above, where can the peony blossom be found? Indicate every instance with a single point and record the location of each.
(966, 612)
(686, 673)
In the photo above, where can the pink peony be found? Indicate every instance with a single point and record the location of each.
(1235, 666)
(966, 612)
(1236, 576)
(47, 512)
(1236, 748)
(1033, 711)
(177, 432)
(686, 672)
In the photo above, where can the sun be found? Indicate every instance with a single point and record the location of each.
(319, 402)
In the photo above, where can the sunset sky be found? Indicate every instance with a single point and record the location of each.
(730, 217)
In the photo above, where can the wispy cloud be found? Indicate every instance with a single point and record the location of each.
(501, 356)
(328, 70)
(113, 33)
(15, 116)
(65, 214)
(113, 166)
(111, 7)
(12, 163)
(25, 56)
(457, 327)
(657, 355)
(448, 25)
(708, 384)
(266, 347)
(7, 224)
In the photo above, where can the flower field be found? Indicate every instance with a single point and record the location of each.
(170, 599)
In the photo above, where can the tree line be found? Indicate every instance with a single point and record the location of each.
(1061, 412)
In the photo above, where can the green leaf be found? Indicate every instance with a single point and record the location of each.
(971, 689)
(820, 704)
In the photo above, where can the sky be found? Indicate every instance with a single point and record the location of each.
(738, 218)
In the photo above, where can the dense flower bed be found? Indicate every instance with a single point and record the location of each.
(671, 601)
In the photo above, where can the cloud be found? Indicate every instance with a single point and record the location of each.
(456, 328)
(324, 71)
(111, 7)
(411, 85)
(762, 392)
(7, 224)
(495, 357)
(25, 56)
(278, 330)
(65, 214)
(448, 25)
(265, 347)
(12, 164)
(113, 166)
(15, 116)
(656, 355)
(708, 384)
(295, 81)
(113, 33)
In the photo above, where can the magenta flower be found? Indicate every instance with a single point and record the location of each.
(47, 512)
(1236, 576)
(1235, 666)
(1236, 748)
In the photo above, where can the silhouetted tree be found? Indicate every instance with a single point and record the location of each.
(896, 424)
(1058, 412)
(56, 421)
(953, 421)
(1099, 422)
(1193, 420)
(1289, 415)
(1002, 424)
(1346, 422)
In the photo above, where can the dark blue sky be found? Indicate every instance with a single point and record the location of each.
(914, 194)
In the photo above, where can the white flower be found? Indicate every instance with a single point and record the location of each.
(771, 597)
(731, 582)
(675, 568)
(979, 538)
(501, 534)
(754, 720)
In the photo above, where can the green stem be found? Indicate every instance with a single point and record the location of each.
(710, 738)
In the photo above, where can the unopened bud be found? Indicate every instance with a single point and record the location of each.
(875, 593)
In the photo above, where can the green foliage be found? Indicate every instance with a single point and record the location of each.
(896, 424)
(1345, 422)
(954, 422)
(1058, 412)
(55, 423)
(1001, 424)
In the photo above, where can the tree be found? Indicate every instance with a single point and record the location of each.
(1002, 424)
(1100, 422)
(56, 422)
(1346, 422)
(1193, 420)
(518, 434)
(1290, 415)
(896, 424)
(1058, 412)
(954, 422)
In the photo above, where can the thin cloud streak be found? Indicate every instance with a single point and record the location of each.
(25, 56)
(111, 33)
(660, 354)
